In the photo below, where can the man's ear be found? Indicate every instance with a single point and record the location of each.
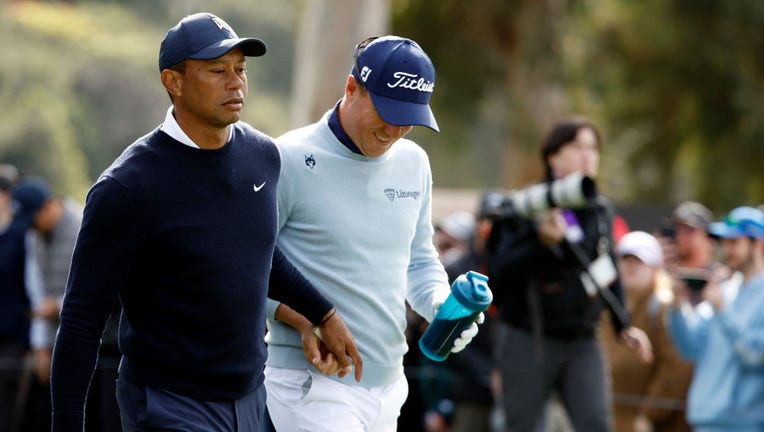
(351, 86)
(172, 81)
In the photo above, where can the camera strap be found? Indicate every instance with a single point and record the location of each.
(597, 275)
(600, 272)
(593, 276)
(605, 214)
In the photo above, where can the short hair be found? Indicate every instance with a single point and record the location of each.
(562, 134)
(359, 48)
(178, 67)
(9, 175)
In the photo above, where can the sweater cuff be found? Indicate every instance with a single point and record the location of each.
(68, 421)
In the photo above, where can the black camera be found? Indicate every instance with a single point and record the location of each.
(668, 232)
(667, 228)
(571, 192)
(695, 279)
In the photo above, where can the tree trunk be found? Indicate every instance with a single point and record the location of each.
(329, 30)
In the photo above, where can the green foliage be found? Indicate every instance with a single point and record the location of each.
(679, 84)
(676, 85)
(469, 44)
(89, 84)
(49, 124)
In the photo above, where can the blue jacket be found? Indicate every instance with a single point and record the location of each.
(727, 347)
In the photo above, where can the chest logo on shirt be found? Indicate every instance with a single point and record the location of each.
(310, 161)
(391, 194)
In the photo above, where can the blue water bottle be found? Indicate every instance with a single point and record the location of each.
(470, 295)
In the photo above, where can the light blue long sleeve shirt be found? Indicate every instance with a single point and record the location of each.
(727, 347)
(360, 229)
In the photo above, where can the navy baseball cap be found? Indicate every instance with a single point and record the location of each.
(400, 78)
(740, 222)
(30, 195)
(203, 36)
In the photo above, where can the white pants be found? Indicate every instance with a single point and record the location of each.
(307, 401)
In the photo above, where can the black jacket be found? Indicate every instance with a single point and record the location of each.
(537, 286)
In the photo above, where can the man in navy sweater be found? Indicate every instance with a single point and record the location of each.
(182, 228)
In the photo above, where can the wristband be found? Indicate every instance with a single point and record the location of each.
(328, 317)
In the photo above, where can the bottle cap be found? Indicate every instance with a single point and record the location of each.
(476, 296)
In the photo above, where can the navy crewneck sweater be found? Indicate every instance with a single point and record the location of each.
(186, 238)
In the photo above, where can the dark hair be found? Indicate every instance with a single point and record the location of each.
(562, 134)
(178, 67)
(359, 48)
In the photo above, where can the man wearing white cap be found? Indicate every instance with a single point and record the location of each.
(726, 341)
(453, 236)
(655, 385)
(355, 218)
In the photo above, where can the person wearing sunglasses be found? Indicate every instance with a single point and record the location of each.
(724, 335)
(355, 218)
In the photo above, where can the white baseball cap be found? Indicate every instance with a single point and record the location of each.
(459, 225)
(643, 246)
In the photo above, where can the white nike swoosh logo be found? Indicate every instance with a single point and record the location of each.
(257, 188)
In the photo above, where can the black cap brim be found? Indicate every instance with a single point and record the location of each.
(251, 47)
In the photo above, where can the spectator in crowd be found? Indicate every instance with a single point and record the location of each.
(370, 250)
(18, 276)
(686, 243)
(182, 229)
(55, 222)
(457, 391)
(453, 241)
(453, 236)
(647, 396)
(541, 275)
(472, 391)
(724, 335)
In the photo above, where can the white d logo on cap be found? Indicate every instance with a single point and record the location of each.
(365, 72)
(218, 22)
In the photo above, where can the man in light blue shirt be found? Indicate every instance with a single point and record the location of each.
(725, 337)
(354, 207)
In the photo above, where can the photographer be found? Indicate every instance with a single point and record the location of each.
(540, 278)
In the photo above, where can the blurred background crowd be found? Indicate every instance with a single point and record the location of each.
(674, 86)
